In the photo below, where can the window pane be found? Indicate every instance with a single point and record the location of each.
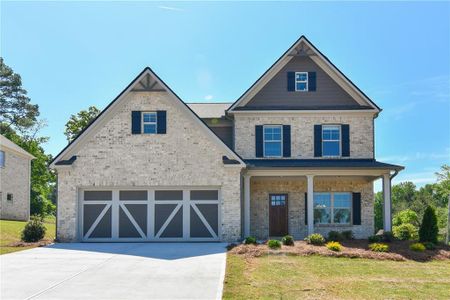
(149, 128)
(342, 200)
(331, 148)
(301, 76)
(2, 159)
(342, 215)
(335, 134)
(322, 200)
(322, 216)
(272, 148)
(301, 86)
(149, 117)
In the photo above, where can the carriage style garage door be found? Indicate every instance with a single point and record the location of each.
(149, 215)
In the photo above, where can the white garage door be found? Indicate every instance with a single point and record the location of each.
(150, 215)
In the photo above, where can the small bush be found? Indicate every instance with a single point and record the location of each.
(335, 236)
(375, 238)
(379, 247)
(274, 244)
(288, 240)
(34, 230)
(418, 247)
(334, 246)
(315, 239)
(429, 229)
(429, 245)
(348, 235)
(387, 236)
(405, 232)
(250, 240)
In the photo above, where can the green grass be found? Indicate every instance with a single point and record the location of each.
(10, 232)
(306, 277)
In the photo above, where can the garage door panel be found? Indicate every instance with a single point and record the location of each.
(128, 229)
(210, 213)
(174, 228)
(133, 196)
(103, 228)
(97, 195)
(197, 227)
(90, 213)
(139, 214)
(168, 195)
(162, 213)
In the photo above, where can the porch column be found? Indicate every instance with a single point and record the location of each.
(387, 222)
(310, 206)
(246, 205)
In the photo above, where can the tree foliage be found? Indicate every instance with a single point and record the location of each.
(80, 121)
(428, 231)
(16, 111)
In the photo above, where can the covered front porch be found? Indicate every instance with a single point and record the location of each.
(302, 201)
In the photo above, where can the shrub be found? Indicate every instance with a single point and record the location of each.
(428, 229)
(335, 236)
(274, 244)
(315, 239)
(418, 247)
(404, 217)
(250, 240)
(288, 240)
(405, 232)
(379, 247)
(334, 246)
(429, 245)
(34, 230)
(375, 238)
(348, 234)
(387, 236)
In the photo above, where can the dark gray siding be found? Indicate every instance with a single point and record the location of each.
(328, 94)
(225, 133)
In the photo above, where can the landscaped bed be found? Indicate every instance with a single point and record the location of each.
(398, 251)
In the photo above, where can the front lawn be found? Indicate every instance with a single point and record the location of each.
(10, 232)
(285, 276)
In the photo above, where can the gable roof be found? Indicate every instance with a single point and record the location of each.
(8, 144)
(304, 47)
(142, 83)
(209, 110)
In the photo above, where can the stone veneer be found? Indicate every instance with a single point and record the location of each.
(15, 179)
(296, 189)
(302, 131)
(113, 157)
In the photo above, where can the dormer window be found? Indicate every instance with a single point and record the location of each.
(149, 123)
(301, 81)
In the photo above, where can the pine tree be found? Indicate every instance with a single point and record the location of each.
(428, 231)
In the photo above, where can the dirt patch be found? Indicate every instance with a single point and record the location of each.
(398, 251)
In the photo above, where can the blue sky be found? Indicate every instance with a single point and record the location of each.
(75, 54)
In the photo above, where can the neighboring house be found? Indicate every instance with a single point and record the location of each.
(15, 172)
(293, 155)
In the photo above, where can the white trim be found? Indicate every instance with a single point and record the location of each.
(301, 81)
(317, 172)
(273, 141)
(296, 112)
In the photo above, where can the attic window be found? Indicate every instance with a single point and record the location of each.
(301, 81)
(149, 122)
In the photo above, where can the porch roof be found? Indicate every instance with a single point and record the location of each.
(320, 163)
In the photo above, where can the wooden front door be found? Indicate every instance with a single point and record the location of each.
(278, 214)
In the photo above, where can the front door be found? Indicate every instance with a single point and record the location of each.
(278, 214)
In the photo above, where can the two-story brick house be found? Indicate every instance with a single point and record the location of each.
(293, 155)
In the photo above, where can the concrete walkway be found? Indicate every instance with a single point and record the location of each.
(115, 271)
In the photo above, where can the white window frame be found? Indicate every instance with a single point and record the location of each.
(302, 81)
(339, 141)
(281, 140)
(3, 162)
(332, 208)
(149, 123)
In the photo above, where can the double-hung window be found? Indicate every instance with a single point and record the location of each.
(332, 208)
(273, 141)
(331, 140)
(149, 122)
(301, 81)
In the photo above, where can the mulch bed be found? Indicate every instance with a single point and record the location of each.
(398, 251)
(40, 243)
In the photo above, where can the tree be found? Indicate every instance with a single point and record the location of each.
(16, 111)
(80, 121)
(378, 211)
(402, 196)
(428, 231)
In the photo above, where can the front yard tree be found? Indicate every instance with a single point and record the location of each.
(16, 111)
(428, 231)
(80, 121)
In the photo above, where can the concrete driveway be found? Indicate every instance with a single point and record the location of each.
(115, 271)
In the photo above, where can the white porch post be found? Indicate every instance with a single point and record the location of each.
(387, 202)
(246, 205)
(310, 212)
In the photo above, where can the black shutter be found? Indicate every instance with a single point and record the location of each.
(312, 81)
(345, 140)
(356, 208)
(291, 81)
(306, 208)
(259, 140)
(161, 117)
(135, 122)
(286, 140)
(317, 140)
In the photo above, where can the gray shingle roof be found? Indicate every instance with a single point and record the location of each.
(320, 163)
(209, 110)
